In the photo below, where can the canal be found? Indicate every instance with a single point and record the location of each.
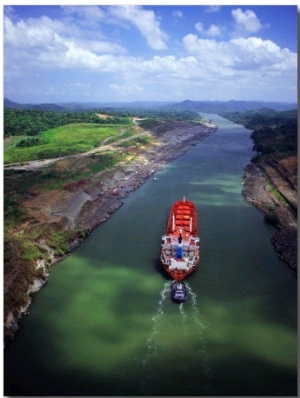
(105, 324)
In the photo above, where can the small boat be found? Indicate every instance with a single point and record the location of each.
(180, 248)
(178, 292)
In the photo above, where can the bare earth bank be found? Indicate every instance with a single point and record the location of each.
(279, 205)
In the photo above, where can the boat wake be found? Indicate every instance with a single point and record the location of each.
(150, 342)
(151, 347)
(182, 313)
(190, 320)
(199, 324)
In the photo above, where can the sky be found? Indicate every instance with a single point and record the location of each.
(116, 53)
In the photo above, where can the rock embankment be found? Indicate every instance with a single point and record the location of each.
(271, 185)
(176, 139)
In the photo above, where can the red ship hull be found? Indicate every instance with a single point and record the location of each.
(180, 252)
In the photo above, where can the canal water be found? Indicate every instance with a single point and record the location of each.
(105, 323)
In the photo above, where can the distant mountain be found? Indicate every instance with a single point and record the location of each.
(230, 106)
(10, 104)
(85, 106)
(197, 106)
(79, 106)
(42, 107)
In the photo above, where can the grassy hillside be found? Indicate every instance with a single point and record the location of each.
(60, 141)
(33, 122)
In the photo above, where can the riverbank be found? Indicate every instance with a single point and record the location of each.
(266, 187)
(81, 206)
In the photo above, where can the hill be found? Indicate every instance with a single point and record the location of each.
(85, 106)
(230, 106)
(196, 106)
(44, 107)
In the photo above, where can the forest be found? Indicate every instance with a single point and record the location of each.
(32, 122)
(273, 132)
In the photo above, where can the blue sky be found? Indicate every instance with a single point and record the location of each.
(79, 53)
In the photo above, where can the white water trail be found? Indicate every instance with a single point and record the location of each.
(151, 346)
(196, 315)
(200, 325)
(182, 313)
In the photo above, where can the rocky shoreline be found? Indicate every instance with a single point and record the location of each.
(127, 179)
(277, 212)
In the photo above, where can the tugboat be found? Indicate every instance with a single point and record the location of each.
(180, 248)
(178, 292)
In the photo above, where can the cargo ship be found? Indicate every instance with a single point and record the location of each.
(180, 252)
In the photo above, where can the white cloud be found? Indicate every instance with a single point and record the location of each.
(90, 13)
(212, 31)
(86, 17)
(251, 54)
(31, 33)
(52, 44)
(98, 63)
(145, 21)
(254, 52)
(246, 22)
(43, 41)
(199, 27)
(95, 46)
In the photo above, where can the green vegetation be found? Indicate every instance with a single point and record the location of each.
(25, 143)
(137, 142)
(155, 113)
(260, 117)
(57, 179)
(61, 141)
(30, 251)
(123, 134)
(273, 132)
(20, 254)
(13, 214)
(54, 177)
(27, 122)
(13, 141)
(56, 134)
(33, 122)
(274, 190)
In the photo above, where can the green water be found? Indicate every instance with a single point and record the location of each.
(105, 324)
